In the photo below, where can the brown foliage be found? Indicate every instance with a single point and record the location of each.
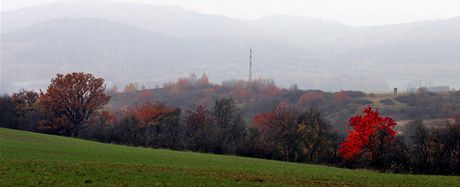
(187, 82)
(293, 135)
(311, 96)
(131, 87)
(108, 118)
(25, 100)
(27, 112)
(144, 96)
(198, 123)
(262, 120)
(341, 97)
(241, 90)
(72, 99)
(267, 87)
(151, 114)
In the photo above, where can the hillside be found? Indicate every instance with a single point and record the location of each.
(42, 160)
(263, 95)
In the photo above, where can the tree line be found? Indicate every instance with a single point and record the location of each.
(73, 105)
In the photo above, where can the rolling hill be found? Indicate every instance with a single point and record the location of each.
(34, 159)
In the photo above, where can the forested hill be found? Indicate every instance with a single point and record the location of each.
(263, 95)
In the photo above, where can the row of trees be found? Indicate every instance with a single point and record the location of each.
(73, 106)
(219, 130)
(431, 149)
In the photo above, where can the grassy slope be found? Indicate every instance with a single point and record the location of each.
(37, 159)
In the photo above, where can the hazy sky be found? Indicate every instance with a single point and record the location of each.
(352, 12)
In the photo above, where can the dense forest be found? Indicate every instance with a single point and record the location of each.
(255, 119)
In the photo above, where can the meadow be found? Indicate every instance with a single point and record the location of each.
(34, 159)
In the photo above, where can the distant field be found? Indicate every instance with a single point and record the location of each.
(33, 159)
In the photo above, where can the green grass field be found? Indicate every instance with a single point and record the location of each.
(33, 159)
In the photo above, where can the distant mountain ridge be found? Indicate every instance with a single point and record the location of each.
(179, 22)
(115, 51)
(314, 53)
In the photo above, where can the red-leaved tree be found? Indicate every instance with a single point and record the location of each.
(369, 136)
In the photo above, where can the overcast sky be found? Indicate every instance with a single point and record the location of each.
(351, 12)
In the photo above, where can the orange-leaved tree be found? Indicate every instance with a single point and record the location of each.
(159, 125)
(150, 114)
(369, 136)
(71, 100)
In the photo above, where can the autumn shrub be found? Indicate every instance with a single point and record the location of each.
(369, 139)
